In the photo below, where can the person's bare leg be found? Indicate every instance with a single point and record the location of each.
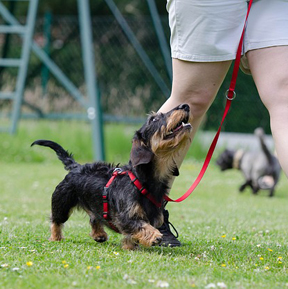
(195, 83)
(269, 68)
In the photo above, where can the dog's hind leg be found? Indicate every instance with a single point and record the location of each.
(56, 232)
(247, 183)
(255, 190)
(271, 193)
(255, 186)
(242, 187)
(63, 203)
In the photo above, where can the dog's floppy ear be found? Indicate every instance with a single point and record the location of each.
(140, 154)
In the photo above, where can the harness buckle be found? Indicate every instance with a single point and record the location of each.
(134, 180)
(105, 193)
(105, 203)
(143, 191)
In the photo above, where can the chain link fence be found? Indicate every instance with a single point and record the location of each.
(128, 91)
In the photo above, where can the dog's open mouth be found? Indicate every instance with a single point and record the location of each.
(181, 125)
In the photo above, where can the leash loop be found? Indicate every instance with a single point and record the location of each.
(228, 91)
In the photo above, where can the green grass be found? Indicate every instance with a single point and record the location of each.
(227, 237)
(74, 136)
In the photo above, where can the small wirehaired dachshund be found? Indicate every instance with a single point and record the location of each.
(129, 198)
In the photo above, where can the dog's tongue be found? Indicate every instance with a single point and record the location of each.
(181, 126)
(177, 128)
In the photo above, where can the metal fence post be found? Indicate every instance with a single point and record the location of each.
(47, 39)
(25, 55)
(161, 36)
(94, 111)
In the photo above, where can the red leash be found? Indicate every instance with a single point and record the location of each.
(230, 95)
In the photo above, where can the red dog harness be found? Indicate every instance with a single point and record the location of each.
(135, 181)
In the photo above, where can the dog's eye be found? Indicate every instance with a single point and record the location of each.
(153, 118)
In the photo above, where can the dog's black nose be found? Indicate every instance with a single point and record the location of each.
(184, 106)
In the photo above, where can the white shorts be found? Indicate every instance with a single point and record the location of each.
(210, 30)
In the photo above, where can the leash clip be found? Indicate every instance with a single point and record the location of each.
(227, 92)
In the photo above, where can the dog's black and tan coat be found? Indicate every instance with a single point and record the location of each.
(154, 147)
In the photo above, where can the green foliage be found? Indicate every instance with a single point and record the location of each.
(247, 110)
(126, 87)
(70, 7)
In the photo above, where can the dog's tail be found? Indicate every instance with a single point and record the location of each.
(64, 156)
(260, 133)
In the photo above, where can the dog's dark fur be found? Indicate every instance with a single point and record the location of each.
(261, 169)
(154, 147)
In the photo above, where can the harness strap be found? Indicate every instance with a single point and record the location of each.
(142, 190)
(137, 184)
(230, 95)
(115, 173)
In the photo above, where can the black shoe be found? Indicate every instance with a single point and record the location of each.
(168, 239)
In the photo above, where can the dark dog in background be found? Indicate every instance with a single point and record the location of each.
(261, 169)
(154, 147)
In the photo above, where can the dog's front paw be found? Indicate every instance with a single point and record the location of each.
(56, 238)
(99, 237)
(98, 233)
(148, 236)
(157, 241)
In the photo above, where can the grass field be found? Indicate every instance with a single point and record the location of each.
(230, 240)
